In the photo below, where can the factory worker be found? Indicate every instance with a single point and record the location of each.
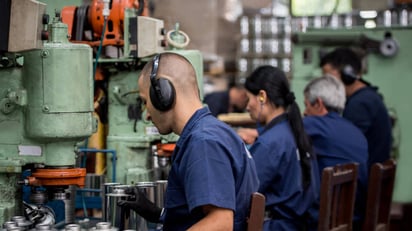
(364, 105)
(233, 100)
(212, 175)
(335, 139)
(285, 164)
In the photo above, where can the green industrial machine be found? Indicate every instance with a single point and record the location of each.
(48, 85)
(46, 108)
(133, 146)
(388, 66)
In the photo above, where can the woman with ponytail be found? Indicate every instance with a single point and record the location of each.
(283, 155)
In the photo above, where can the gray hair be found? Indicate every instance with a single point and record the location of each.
(330, 90)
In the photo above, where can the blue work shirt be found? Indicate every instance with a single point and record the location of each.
(335, 141)
(367, 111)
(218, 102)
(280, 175)
(210, 166)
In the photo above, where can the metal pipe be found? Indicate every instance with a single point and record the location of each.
(111, 151)
(327, 38)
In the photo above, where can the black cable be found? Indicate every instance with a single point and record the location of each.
(335, 8)
(141, 7)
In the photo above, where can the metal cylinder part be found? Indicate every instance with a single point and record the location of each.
(22, 222)
(44, 227)
(93, 181)
(148, 189)
(9, 224)
(38, 197)
(69, 204)
(103, 226)
(121, 218)
(160, 192)
(72, 227)
(107, 188)
(16, 229)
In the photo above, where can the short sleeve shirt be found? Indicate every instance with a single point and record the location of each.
(335, 141)
(210, 166)
(280, 175)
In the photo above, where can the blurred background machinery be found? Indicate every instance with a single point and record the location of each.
(70, 114)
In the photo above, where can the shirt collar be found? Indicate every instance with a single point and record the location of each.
(273, 122)
(199, 114)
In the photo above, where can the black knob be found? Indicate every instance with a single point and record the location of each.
(46, 18)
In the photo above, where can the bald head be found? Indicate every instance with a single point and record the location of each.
(176, 69)
(179, 75)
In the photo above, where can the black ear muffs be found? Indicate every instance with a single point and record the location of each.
(162, 92)
(348, 75)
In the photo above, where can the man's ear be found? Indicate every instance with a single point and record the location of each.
(319, 105)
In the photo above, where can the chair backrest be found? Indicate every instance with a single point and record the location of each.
(256, 213)
(380, 189)
(337, 197)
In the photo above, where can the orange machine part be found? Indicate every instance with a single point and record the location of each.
(58, 177)
(114, 28)
(165, 149)
(67, 14)
(99, 74)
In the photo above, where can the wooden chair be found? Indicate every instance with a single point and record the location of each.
(256, 213)
(380, 189)
(337, 197)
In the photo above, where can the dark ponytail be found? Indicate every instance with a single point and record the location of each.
(274, 82)
(302, 141)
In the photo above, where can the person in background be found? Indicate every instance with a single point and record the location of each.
(223, 102)
(364, 106)
(285, 163)
(335, 140)
(213, 175)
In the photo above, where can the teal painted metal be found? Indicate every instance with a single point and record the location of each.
(57, 5)
(390, 74)
(59, 88)
(46, 108)
(10, 199)
(127, 136)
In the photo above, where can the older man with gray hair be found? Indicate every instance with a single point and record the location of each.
(335, 140)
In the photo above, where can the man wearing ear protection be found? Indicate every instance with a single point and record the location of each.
(364, 106)
(335, 140)
(213, 175)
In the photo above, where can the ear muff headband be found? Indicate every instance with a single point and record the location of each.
(162, 92)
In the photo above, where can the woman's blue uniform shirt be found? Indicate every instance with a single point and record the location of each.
(337, 141)
(210, 165)
(279, 171)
